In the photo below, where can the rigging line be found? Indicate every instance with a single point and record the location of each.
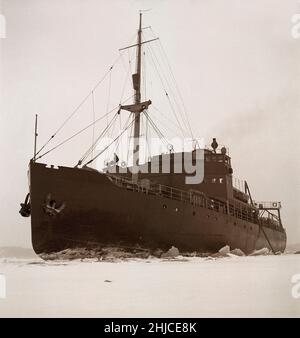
(147, 140)
(166, 93)
(126, 79)
(183, 116)
(129, 140)
(129, 42)
(123, 63)
(144, 72)
(117, 146)
(148, 75)
(159, 133)
(157, 129)
(168, 85)
(92, 148)
(80, 105)
(129, 59)
(178, 91)
(80, 131)
(170, 131)
(144, 122)
(106, 148)
(93, 104)
(108, 95)
(68, 139)
(112, 131)
(175, 82)
(161, 114)
(93, 159)
(144, 75)
(119, 140)
(121, 126)
(173, 110)
(167, 82)
(108, 100)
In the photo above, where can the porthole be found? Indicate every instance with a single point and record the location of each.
(176, 209)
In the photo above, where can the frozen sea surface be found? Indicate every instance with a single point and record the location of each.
(233, 286)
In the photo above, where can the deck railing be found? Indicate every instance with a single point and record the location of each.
(196, 198)
(193, 197)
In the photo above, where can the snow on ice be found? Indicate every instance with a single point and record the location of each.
(118, 283)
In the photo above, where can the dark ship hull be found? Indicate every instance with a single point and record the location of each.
(72, 207)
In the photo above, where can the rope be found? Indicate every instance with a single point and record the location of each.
(172, 93)
(108, 134)
(175, 83)
(118, 141)
(80, 105)
(126, 80)
(93, 159)
(147, 141)
(93, 106)
(92, 148)
(166, 120)
(156, 129)
(166, 93)
(108, 100)
(81, 131)
(129, 139)
(74, 135)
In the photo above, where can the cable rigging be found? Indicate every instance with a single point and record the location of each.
(175, 82)
(95, 157)
(110, 125)
(166, 93)
(80, 105)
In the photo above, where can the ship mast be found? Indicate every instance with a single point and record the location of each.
(138, 107)
(137, 95)
(35, 137)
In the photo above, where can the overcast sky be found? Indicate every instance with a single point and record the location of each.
(236, 63)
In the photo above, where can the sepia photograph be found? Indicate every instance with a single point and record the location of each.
(150, 154)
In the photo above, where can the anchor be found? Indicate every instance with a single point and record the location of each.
(25, 207)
